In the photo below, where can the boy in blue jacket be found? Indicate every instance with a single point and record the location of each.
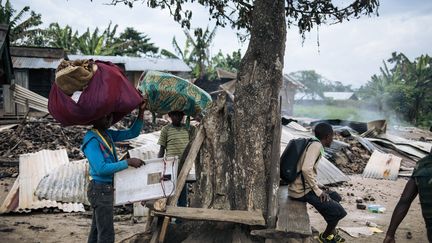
(98, 147)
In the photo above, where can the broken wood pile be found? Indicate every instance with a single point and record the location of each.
(35, 135)
(351, 159)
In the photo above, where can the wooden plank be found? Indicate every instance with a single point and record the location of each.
(187, 166)
(181, 178)
(292, 216)
(234, 216)
(273, 184)
(10, 203)
(164, 229)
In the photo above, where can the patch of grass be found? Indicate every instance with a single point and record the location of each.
(326, 111)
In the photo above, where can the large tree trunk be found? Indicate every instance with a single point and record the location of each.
(256, 104)
(214, 170)
(236, 156)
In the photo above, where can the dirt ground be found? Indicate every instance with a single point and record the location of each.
(74, 227)
(385, 193)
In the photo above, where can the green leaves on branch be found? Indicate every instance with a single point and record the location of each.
(23, 28)
(405, 88)
(237, 13)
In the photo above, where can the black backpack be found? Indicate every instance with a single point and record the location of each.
(291, 157)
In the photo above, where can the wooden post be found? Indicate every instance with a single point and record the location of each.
(273, 185)
(181, 179)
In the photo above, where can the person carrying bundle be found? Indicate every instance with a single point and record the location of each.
(98, 147)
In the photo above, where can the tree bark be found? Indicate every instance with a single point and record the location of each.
(256, 104)
(214, 177)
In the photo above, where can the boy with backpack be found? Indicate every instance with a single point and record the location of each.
(305, 186)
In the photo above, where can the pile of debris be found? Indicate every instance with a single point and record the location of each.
(367, 148)
(33, 135)
(37, 134)
(351, 159)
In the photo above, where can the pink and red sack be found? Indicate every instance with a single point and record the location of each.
(109, 91)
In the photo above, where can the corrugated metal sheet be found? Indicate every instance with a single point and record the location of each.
(304, 96)
(33, 167)
(289, 79)
(423, 146)
(35, 62)
(66, 184)
(24, 96)
(145, 152)
(144, 139)
(141, 63)
(327, 173)
(382, 166)
(409, 150)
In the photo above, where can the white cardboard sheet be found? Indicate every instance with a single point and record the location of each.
(143, 183)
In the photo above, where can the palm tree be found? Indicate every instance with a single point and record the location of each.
(23, 32)
(200, 53)
(95, 44)
(62, 38)
(196, 51)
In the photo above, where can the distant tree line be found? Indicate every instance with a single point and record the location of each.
(404, 88)
(316, 84)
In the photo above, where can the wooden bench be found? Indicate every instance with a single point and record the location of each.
(293, 224)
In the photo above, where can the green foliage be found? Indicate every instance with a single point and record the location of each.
(61, 37)
(238, 13)
(316, 84)
(133, 43)
(23, 31)
(196, 50)
(228, 62)
(129, 43)
(346, 112)
(406, 88)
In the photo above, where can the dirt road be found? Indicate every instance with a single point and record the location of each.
(74, 227)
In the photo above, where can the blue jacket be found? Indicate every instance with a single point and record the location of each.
(104, 163)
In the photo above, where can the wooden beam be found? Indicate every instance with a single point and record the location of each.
(203, 214)
(293, 216)
(273, 183)
(187, 166)
(181, 178)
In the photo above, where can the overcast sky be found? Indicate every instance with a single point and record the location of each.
(350, 52)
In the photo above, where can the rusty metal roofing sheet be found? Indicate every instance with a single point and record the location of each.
(409, 150)
(141, 63)
(33, 167)
(382, 166)
(35, 62)
(67, 184)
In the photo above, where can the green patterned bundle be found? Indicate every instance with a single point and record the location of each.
(166, 92)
